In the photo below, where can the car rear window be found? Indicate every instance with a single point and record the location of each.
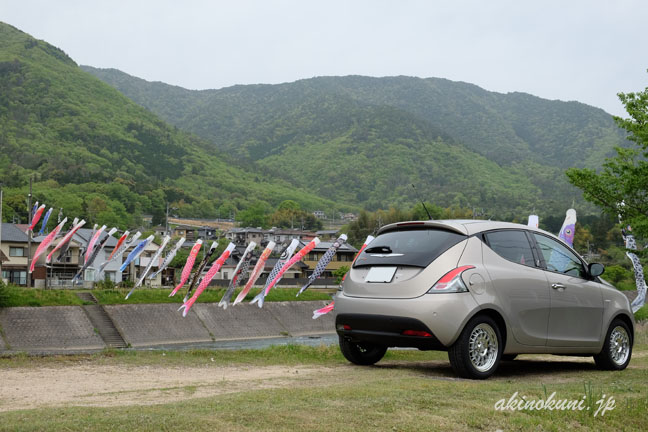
(416, 248)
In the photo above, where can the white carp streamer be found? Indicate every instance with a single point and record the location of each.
(169, 257)
(297, 257)
(154, 258)
(45, 244)
(208, 277)
(258, 269)
(240, 273)
(283, 259)
(323, 262)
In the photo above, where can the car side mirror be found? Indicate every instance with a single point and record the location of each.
(596, 269)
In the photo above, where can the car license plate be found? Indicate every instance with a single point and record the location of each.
(380, 274)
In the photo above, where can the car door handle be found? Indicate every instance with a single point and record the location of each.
(558, 286)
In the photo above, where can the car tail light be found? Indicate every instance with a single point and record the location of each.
(416, 333)
(451, 281)
(343, 327)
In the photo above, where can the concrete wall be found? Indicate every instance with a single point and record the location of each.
(67, 328)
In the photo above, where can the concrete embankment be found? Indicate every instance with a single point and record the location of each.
(70, 328)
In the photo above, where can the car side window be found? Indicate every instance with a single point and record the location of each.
(511, 245)
(558, 258)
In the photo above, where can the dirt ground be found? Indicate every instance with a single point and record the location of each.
(86, 385)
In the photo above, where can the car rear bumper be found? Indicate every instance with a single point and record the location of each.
(383, 321)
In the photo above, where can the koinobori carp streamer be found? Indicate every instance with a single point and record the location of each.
(208, 277)
(323, 262)
(136, 252)
(36, 217)
(286, 254)
(45, 220)
(297, 257)
(154, 258)
(256, 272)
(64, 241)
(45, 244)
(186, 271)
(195, 276)
(118, 251)
(240, 273)
(169, 257)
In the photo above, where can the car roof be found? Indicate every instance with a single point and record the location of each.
(461, 226)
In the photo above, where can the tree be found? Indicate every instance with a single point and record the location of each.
(624, 177)
(255, 215)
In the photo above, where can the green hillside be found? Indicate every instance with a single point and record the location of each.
(365, 140)
(99, 155)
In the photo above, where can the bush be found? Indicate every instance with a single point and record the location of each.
(4, 294)
(105, 284)
(616, 274)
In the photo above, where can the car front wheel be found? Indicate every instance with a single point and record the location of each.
(363, 354)
(476, 354)
(617, 348)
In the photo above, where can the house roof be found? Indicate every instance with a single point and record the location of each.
(12, 233)
(83, 235)
(324, 246)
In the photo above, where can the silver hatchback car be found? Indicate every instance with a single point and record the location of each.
(483, 291)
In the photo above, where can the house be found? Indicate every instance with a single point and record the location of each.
(343, 257)
(319, 214)
(283, 236)
(327, 234)
(243, 236)
(13, 254)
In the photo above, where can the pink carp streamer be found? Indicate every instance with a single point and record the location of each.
(258, 269)
(65, 239)
(186, 271)
(240, 273)
(195, 276)
(45, 244)
(92, 243)
(323, 311)
(36, 217)
(208, 277)
(297, 257)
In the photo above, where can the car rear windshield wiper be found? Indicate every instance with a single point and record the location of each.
(382, 249)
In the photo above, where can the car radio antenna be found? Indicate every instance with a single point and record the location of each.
(417, 195)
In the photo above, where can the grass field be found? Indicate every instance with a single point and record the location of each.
(17, 296)
(303, 388)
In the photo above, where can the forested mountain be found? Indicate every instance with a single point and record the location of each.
(99, 155)
(365, 140)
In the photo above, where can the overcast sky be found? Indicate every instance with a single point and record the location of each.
(569, 50)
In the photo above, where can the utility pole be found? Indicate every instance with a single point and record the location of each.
(166, 229)
(29, 234)
(0, 231)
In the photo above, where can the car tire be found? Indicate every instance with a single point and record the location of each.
(509, 357)
(477, 352)
(361, 353)
(617, 348)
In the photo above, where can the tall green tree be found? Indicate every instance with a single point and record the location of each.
(624, 177)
